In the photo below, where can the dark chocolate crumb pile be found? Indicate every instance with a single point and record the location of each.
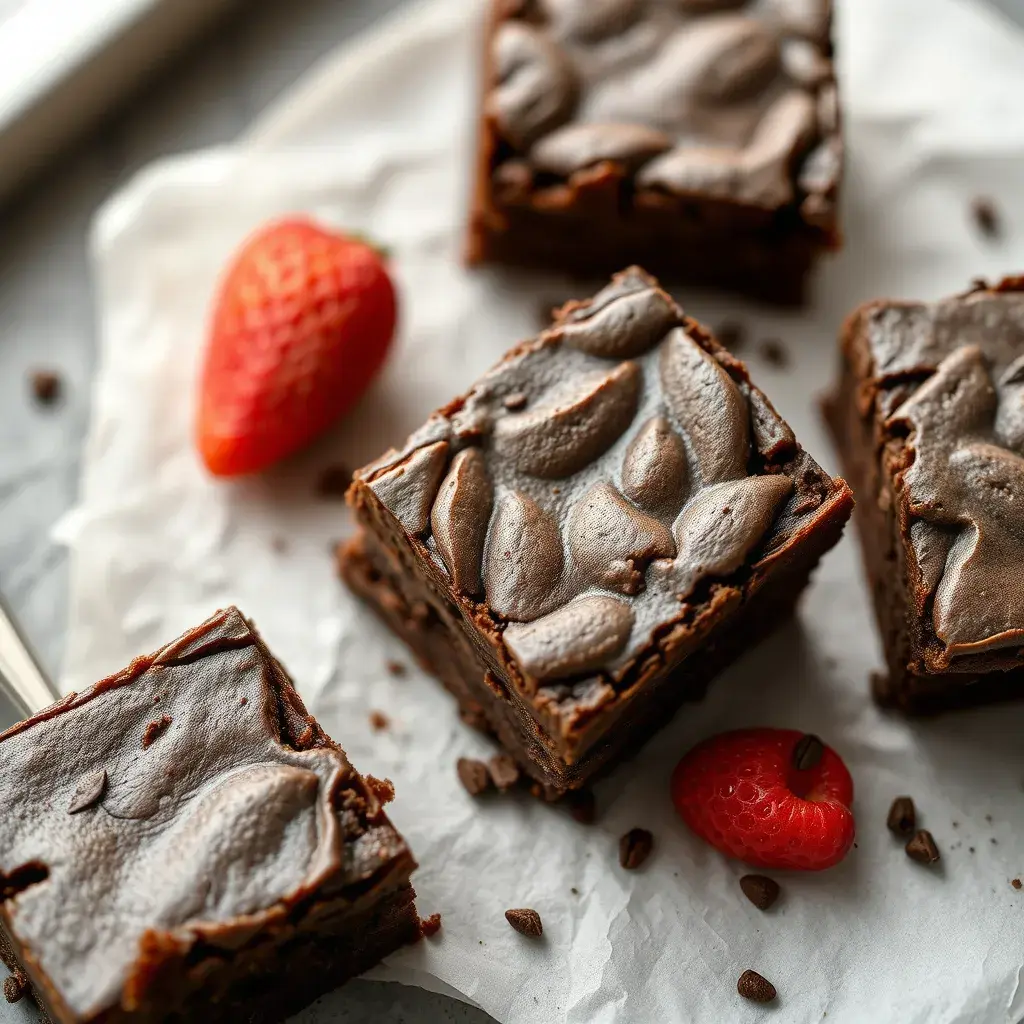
(635, 847)
(755, 988)
(760, 890)
(526, 922)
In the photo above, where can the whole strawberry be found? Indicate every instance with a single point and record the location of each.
(301, 325)
(774, 798)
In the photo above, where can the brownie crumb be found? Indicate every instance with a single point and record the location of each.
(988, 818)
(89, 792)
(774, 353)
(635, 847)
(526, 922)
(243, 701)
(515, 402)
(986, 216)
(1016, 883)
(970, 849)
(15, 987)
(902, 820)
(396, 668)
(761, 890)
(582, 806)
(574, 891)
(46, 386)
(752, 986)
(382, 789)
(473, 775)
(732, 334)
(379, 721)
(430, 926)
(922, 848)
(334, 482)
(808, 752)
(155, 729)
(504, 772)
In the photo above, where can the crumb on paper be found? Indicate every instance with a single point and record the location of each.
(379, 721)
(382, 789)
(430, 926)
(47, 386)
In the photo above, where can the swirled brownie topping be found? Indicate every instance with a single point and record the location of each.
(954, 374)
(237, 809)
(635, 462)
(715, 98)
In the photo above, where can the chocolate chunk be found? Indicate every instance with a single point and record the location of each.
(430, 926)
(15, 986)
(526, 922)
(155, 729)
(473, 775)
(560, 434)
(755, 988)
(635, 847)
(89, 792)
(46, 386)
(986, 216)
(504, 771)
(379, 721)
(580, 637)
(922, 848)
(807, 753)
(902, 818)
(582, 805)
(334, 482)
(761, 890)
(774, 353)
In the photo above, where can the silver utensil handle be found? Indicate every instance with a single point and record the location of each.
(21, 678)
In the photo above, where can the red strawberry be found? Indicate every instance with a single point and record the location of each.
(301, 326)
(742, 792)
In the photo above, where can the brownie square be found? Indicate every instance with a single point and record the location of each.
(607, 517)
(698, 138)
(929, 418)
(184, 842)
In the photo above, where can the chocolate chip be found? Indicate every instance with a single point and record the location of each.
(1016, 883)
(516, 401)
(902, 819)
(46, 386)
(430, 926)
(525, 921)
(473, 775)
(986, 216)
(155, 729)
(15, 987)
(396, 668)
(89, 792)
(635, 847)
(334, 482)
(922, 848)
(504, 771)
(760, 890)
(582, 806)
(774, 353)
(379, 721)
(752, 986)
(807, 753)
(732, 334)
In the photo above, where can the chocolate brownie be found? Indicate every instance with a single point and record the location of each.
(699, 138)
(233, 868)
(603, 521)
(929, 418)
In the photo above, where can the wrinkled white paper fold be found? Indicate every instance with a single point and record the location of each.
(378, 140)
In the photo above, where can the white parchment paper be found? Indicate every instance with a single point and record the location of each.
(378, 140)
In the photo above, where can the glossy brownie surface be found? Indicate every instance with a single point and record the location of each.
(939, 388)
(584, 496)
(188, 801)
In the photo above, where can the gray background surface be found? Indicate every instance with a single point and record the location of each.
(206, 97)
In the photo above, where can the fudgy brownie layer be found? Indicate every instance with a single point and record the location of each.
(699, 140)
(926, 394)
(730, 622)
